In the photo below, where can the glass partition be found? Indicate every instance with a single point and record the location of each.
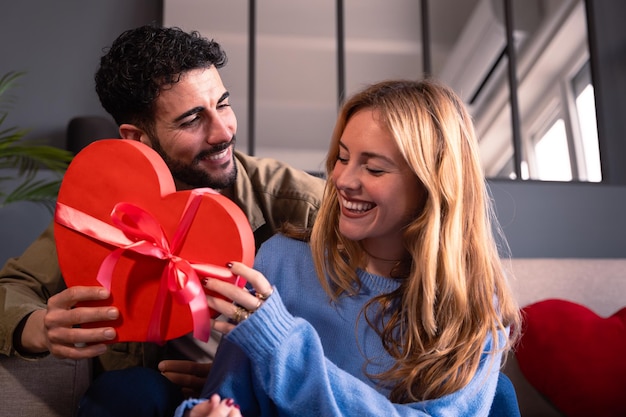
(292, 80)
(551, 48)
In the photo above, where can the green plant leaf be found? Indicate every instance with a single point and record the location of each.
(7, 81)
(37, 191)
(27, 157)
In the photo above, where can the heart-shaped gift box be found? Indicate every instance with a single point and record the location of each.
(120, 223)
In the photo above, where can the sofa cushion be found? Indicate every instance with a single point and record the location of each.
(49, 387)
(575, 357)
(83, 130)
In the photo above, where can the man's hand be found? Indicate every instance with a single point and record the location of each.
(56, 330)
(188, 375)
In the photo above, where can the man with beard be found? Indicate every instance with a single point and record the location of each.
(163, 88)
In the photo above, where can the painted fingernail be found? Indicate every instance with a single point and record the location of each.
(229, 265)
(230, 402)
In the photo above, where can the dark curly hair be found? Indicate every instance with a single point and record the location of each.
(142, 62)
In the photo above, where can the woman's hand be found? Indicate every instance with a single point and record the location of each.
(214, 407)
(243, 302)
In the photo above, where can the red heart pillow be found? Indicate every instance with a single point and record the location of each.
(121, 223)
(575, 358)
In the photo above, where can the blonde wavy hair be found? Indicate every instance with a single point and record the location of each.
(453, 290)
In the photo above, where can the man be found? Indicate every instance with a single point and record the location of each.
(163, 88)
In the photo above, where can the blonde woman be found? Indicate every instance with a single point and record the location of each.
(396, 302)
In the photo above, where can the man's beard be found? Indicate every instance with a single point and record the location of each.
(195, 177)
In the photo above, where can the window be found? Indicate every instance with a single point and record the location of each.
(552, 156)
(586, 117)
(556, 111)
(564, 153)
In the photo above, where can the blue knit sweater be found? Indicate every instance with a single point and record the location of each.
(301, 355)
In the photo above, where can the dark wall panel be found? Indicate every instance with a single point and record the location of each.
(561, 220)
(58, 45)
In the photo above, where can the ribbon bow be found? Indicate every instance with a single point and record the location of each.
(134, 229)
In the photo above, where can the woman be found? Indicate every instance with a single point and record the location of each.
(396, 302)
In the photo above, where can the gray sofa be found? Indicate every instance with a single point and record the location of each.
(52, 387)
(48, 387)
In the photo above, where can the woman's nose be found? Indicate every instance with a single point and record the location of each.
(347, 178)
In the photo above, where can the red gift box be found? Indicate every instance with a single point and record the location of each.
(120, 223)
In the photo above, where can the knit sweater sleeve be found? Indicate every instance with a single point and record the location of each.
(289, 375)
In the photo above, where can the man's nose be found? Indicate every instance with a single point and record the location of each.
(220, 131)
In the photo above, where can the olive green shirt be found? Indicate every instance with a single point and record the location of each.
(268, 191)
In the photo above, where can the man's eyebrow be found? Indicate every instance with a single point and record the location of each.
(224, 97)
(199, 109)
(189, 112)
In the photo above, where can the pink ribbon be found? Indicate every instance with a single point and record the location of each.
(134, 229)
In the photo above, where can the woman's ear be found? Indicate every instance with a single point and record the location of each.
(128, 131)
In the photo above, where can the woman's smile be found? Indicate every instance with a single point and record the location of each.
(353, 206)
